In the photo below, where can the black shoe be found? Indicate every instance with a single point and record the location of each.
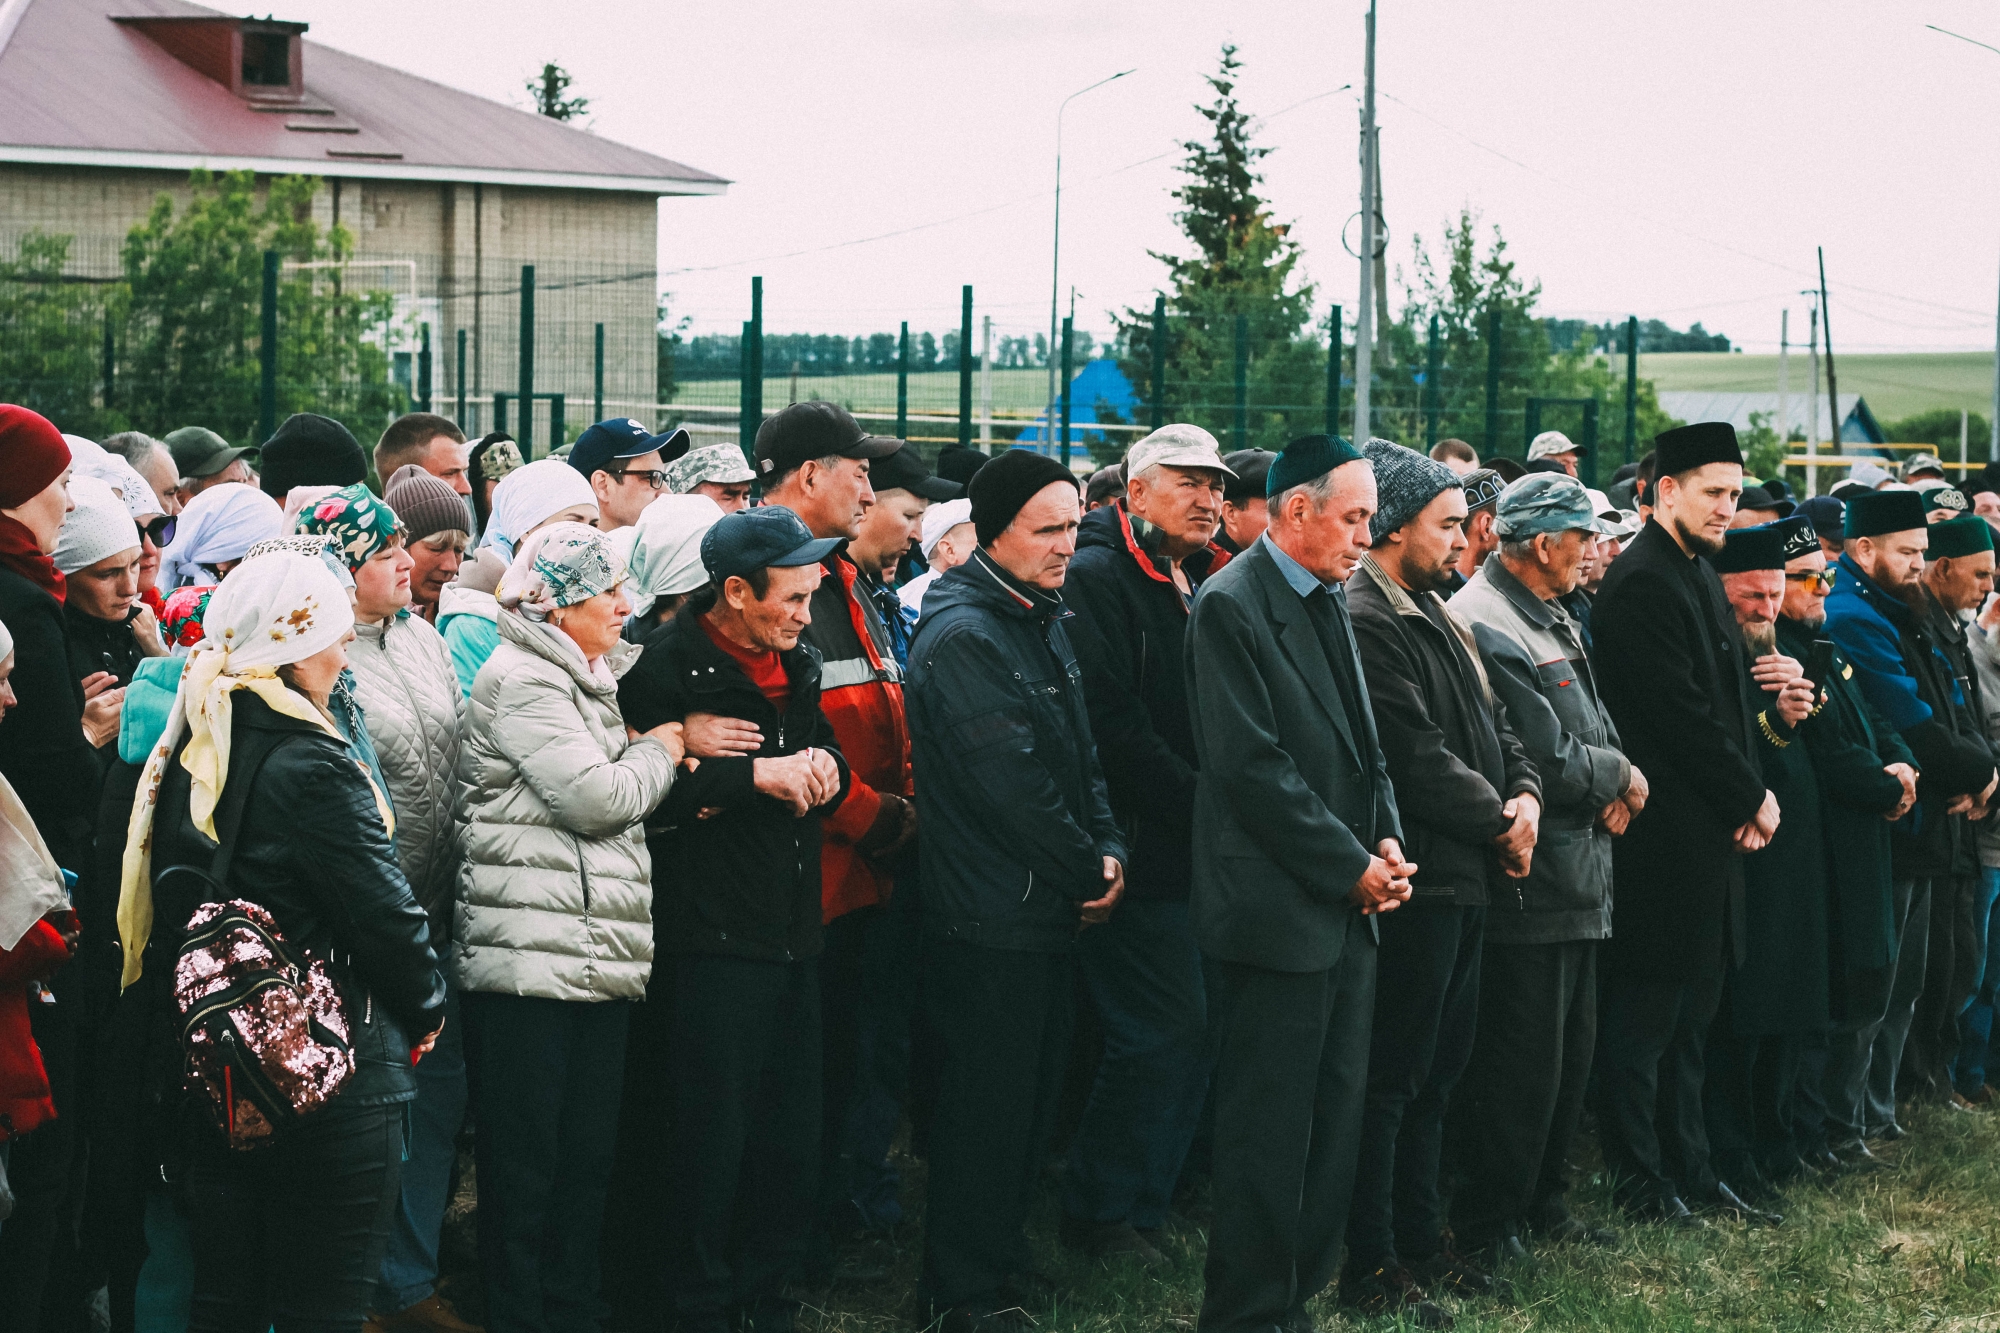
(1664, 1210)
(1298, 1320)
(1035, 1291)
(1501, 1252)
(1888, 1133)
(1392, 1291)
(1825, 1161)
(1451, 1274)
(985, 1317)
(1110, 1240)
(771, 1316)
(1855, 1155)
(1726, 1202)
(1568, 1229)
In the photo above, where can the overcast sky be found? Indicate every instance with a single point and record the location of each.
(1676, 160)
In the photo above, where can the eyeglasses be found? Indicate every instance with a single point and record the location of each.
(1814, 579)
(654, 478)
(160, 532)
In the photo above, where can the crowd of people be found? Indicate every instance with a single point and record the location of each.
(1305, 841)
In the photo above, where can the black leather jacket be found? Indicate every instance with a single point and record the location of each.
(313, 852)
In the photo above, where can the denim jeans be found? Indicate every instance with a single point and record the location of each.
(1144, 974)
(1975, 1021)
(410, 1265)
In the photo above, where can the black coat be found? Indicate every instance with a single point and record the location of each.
(1452, 757)
(1129, 630)
(42, 748)
(312, 850)
(744, 881)
(1010, 799)
(102, 645)
(1669, 662)
(1968, 709)
(1851, 744)
(1293, 798)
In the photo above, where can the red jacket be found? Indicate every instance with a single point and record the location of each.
(863, 699)
(24, 1084)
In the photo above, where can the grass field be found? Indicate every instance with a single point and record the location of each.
(1895, 386)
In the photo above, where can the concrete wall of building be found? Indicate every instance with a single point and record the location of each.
(451, 252)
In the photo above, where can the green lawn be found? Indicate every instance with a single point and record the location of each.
(1895, 385)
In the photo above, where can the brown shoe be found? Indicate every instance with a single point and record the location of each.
(432, 1314)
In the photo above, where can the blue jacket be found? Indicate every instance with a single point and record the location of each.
(1010, 798)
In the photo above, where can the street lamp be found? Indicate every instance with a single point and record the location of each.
(1055, 248)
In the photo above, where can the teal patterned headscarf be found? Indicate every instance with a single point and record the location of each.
(359, 522)
(563, 564)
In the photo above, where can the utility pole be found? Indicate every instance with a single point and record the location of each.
(1812, 399)
(1826, 326)
(1364, 333)
(986, 387)
(1055, 245)
(1784, 377)
(1993, 446)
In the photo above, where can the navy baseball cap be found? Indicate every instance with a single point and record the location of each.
(767, 537)
(622, 437)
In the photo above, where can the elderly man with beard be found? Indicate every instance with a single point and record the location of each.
(1879, 615)
(1471, 803)
(1958, 578)
(1867, 781)
(1775, 996)
(1670, 662)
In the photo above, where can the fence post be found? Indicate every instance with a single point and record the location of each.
(1065, 389)
(1159, 393)
(1586, 466)
(1431, 394)
(965, 367)
(525, 391)
(597, 379)
(986, 385)
(903, 383)
(1531, 423)
(267, 352)
(460, 381)
(1241, 438)
(1492, 449)
(1333, 373)
(756, 353)
(110, 359)
(557, 421)
(746, 425)
(1632, 386)
(424, 371)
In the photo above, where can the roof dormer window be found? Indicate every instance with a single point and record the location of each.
(267, 59)
(258, 59)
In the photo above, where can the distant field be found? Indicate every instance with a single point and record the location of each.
(1895, 385)
(1016, 393)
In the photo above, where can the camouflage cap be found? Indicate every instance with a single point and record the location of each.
(723, 464)
(498, 458)
(1547, 502)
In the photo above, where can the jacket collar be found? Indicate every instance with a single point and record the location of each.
(1022, 599)
(695, 649)
(538, 640)
(1198, 566)
(1541, 614)
(1879, 599)
(1399, 598)
(1404, 604)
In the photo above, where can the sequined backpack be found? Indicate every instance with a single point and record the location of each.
(264, 1029)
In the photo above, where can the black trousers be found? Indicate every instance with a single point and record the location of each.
(1651, 1036)
(1291, 1072)
(38, 1244)
(743, 1156)
(1426, 1011)
(1749, 1102)
(634, 1248)
(1004, 1018)
(291, 1236)
(1514, 1117)
(1951, 974)
(548, 1078)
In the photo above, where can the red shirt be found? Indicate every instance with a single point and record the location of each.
(766, 672)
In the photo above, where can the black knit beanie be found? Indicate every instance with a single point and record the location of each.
(310, 450)
(1002, 486)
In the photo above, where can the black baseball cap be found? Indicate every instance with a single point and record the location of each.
(622, 437)
(811, 430)
(767, 537)
(1252, 467)
(904, 471)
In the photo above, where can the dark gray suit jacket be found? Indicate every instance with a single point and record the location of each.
(1290, 803)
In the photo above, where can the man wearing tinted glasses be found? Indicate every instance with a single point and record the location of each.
(625, 464)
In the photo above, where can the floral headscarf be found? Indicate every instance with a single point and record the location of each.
(318, 545)
(359, 522)
(180, 616)
(563, 564)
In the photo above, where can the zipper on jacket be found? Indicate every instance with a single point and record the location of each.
(1031, 886)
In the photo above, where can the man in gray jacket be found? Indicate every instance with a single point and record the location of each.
(1516, 1111)
(1296, 845)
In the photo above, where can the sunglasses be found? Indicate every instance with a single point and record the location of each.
(160, 532)
(1815, 580)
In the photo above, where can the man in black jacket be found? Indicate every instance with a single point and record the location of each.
(1667, 655)
(1019, 852)
(1296, 847)
(737, 919)
(1138, 564)
(1471, 805)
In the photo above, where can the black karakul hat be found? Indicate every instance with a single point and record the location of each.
(1747, 550)
(1872, 513)
(1687, 447)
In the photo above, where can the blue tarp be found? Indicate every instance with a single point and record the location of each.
(1099, 383)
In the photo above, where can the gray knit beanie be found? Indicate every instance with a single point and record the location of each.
(1405, 481)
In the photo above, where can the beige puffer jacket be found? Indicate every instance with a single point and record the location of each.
(404, 683)
(556, 896)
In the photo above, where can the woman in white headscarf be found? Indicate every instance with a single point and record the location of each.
(553, 937)
(527, 499)
(108, 631)
(215, 532)
(290, 1234)
(666, 558)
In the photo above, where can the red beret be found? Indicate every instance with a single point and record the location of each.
(33, 453)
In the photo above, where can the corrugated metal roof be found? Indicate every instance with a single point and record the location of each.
(78, 87)
(1735, 408)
